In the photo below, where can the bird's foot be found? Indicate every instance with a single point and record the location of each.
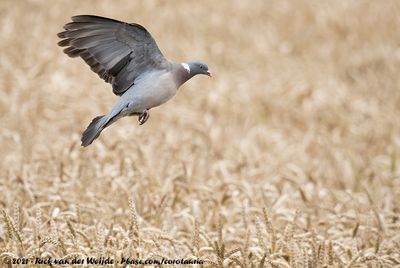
(143, 117)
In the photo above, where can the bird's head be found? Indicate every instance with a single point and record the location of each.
(197, 67)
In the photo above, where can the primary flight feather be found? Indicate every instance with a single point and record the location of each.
(126, 56)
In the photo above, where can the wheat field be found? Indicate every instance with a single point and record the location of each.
(287, 157)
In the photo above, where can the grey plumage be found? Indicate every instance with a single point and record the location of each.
(93, 130)
(126, 56)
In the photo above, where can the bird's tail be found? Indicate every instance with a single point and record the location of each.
(93, 130)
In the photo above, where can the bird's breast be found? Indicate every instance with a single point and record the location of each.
(153, 90)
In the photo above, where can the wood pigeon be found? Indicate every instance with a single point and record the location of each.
(126, 56)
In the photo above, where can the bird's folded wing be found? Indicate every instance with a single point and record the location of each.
(117, 51)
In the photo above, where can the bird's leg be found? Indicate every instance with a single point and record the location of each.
(144, 116)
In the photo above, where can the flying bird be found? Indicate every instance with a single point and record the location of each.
(126, 56)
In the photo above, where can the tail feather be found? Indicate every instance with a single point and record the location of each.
(93, 130)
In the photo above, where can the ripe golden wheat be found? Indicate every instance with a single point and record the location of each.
(288, 157)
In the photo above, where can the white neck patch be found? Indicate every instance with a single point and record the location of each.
(186, 66)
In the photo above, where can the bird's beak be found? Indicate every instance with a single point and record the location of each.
(209, 73)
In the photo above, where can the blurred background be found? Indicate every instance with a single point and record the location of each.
(301, 117)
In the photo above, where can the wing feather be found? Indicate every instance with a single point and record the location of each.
(117, 51)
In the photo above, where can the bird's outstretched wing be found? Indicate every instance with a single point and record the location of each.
(118, 52)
